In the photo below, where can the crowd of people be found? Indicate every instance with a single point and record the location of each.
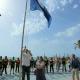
(11, 64)
(40, 65)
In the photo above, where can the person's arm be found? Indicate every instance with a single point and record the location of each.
(71, 63)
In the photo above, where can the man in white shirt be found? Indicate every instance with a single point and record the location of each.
(26, 58)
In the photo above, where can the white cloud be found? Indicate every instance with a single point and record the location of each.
(50, 4)
(35, 22)
(75, 6)
(4, 7)
(63, 2)
(69, 32)
(17, 29)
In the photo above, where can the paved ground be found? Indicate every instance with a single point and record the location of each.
(56, 76)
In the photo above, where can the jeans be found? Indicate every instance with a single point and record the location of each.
(25, 70)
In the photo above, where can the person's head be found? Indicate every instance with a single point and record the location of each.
(46, 58)
(51, 58)
(32, 58)
(63, 57)
(13, 58)
(17, 58)
(5, 57)
(73, 56)
(41, 58)
(0, 57)
(37, 58)
(25, 47)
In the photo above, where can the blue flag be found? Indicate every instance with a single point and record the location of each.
(35, 5)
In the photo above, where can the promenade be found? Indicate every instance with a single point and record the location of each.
(49, 76)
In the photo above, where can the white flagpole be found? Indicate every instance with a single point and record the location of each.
(20, 77)
(27, 13)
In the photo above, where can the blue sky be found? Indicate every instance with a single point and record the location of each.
(58, 39)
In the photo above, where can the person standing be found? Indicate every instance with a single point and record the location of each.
(51, 65)
(1, 66)
(5, 64)
(64, 64)
(58, 63)
(46, 64)
(26, 58)
(32, 64)
(75, 67)
(40, 69)
(17, 65)
(12, 65)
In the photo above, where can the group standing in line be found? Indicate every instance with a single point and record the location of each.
(40, 65)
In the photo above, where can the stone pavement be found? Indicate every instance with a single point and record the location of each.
(56, 76)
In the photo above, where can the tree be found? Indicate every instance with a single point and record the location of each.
(0, 14)
(77, 45)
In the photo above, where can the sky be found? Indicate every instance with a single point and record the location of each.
(58, 39)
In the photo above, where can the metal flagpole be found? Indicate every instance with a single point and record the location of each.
(23, 40)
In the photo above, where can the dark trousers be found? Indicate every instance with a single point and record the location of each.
(46, 68)
(17, 68)
(1, 71)
(51, 68)
(5, 69)
(12, 68)
(40, 74)
(63, 68)
(25, 70)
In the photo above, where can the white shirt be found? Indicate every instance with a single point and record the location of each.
(26, 57)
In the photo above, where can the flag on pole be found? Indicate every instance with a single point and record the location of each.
(36, 5)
